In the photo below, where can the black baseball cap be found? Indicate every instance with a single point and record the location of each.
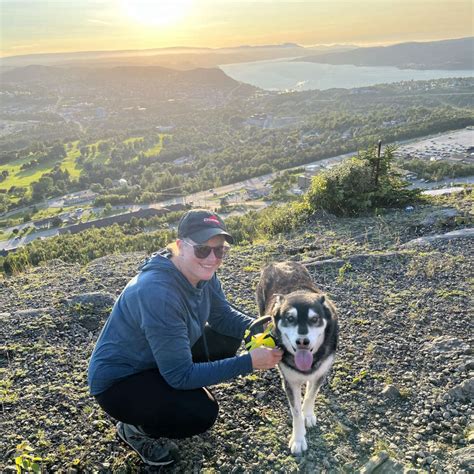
(201, 225)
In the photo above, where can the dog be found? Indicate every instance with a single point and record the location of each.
(305, 326)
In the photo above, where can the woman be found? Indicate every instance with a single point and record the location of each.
(171, 333)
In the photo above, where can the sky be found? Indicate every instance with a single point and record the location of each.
(40, 26)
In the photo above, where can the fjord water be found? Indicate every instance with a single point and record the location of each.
(289, 75)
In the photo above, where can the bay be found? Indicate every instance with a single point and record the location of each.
(286, 75)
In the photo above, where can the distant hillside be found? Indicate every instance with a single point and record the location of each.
(124, 80)
(174, 58)
(448, 55)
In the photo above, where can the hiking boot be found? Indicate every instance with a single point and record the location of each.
(152, 451)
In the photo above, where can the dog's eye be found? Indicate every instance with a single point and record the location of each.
(290, 319)
(314, 320)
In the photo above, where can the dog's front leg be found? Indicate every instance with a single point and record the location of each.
(312, 390)
(297, 442)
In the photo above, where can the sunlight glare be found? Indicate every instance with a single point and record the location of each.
(156, 12)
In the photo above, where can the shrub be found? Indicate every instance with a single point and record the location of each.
(359, 184)
(280, 219)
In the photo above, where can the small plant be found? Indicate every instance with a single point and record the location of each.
(360, 376)
(347, 267)
(250, 269)
(25, 461)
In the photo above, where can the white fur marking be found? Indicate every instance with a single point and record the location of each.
(303, 414)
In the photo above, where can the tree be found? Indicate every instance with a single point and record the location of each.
(56, 221)
(42, 188)
(57, 151)
(107, 209)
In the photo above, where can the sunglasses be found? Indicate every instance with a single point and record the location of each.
(203, 251)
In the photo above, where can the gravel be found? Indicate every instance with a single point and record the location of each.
(399, 396)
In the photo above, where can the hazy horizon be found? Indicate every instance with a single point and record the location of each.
(67, 26)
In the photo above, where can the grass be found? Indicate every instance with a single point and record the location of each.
(24, 178)
(155, 150)
(70, 162)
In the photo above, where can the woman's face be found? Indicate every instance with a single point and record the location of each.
(197, 269)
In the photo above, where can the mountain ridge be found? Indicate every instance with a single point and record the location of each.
(454, 54)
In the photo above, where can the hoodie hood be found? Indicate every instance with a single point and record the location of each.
(157, 261)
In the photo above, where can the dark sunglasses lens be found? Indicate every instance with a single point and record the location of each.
(203, 251)
(219, 252)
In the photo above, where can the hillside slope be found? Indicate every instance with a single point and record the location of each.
(448, 54)
(400, 388)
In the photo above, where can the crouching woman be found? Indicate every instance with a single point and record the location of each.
(170, 335)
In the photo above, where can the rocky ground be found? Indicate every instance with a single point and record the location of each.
(399, 397)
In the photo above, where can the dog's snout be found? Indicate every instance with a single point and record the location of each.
(302, 342)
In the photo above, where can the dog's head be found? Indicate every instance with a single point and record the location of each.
(300, 320)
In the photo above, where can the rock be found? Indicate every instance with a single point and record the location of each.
(390, 392)
(97, 300)
(382, 464)
(441, 217)
(455, 234)
(445, 344)
(464, 457)
(374, 462)
(32, 313)
(462, 392)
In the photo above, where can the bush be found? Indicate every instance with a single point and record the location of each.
(84, 247)
(280, 219)
(359, 184)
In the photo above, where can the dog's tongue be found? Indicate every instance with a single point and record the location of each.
(303, 359)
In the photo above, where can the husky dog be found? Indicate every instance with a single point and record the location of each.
(305, 327)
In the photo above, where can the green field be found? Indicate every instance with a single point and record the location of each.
(69, 163)
(24, 178)
(157, 148)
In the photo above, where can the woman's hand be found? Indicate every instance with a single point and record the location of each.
(264, 358)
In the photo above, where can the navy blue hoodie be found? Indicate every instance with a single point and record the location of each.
(155, 322)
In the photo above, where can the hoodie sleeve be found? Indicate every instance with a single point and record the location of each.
(164, 326)
(223, 317)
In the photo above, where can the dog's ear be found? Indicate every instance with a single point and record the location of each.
(278, 299)
(327, 306)
(277, 304)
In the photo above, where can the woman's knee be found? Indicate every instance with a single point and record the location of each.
(204, 414)
(190, 419)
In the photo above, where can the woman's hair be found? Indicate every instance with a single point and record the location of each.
(173, 248)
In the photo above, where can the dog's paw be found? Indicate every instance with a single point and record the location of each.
(310, 420)
(297, 446)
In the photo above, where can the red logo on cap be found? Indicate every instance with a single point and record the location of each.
(212, 220)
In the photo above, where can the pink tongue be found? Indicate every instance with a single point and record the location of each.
(303, 359)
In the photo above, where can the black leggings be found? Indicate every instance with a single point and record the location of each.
(145, 399)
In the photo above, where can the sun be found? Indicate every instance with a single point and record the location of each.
(156, 12)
